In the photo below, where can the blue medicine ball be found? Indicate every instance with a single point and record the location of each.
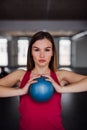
(42, 90)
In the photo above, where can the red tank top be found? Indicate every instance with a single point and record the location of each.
(40, 116)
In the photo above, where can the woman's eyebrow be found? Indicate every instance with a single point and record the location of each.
(35, 47)
(48, 47)
(45, 47)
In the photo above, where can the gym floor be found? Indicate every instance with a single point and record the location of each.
(74, 112)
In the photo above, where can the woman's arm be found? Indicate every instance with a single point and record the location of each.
(75, 82)
(6, 89)
(80, 86)
(7, 83)
(10, 92)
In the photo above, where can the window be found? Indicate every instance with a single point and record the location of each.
(64, 52)
(3, 52)
(22, 51)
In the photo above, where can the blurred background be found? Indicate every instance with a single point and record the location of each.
(66, 20)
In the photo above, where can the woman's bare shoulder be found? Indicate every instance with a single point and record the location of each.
(69, 76)
(20, 73)
(17, 72)
(59, 74)
(63, 73)
(12, 78)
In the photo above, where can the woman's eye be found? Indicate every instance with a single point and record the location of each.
(47, 50)
(36, 49)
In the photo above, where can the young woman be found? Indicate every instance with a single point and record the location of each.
(41, 61)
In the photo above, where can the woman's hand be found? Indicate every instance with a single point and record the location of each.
(30, 81)
(57, 87)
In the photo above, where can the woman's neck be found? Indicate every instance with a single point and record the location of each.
(42, 70)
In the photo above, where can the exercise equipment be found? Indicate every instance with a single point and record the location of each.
(42, 90)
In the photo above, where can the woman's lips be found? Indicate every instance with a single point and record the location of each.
(42, 60)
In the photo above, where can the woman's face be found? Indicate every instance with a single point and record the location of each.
(42, 52)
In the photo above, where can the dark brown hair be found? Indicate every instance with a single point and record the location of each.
(38, 36)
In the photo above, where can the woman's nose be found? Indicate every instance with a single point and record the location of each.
(41, 54)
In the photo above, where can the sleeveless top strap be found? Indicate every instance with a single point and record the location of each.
(25, 79)
(53, 75)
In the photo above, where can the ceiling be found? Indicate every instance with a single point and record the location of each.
(26, 10)
(43, 9)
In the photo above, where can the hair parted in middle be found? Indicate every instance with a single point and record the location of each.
(38, 36)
